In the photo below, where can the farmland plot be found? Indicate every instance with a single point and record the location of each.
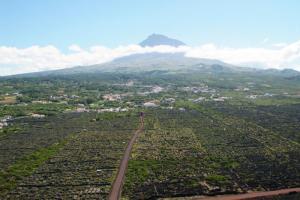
(283, 119)
(84, 166)
(202, 152)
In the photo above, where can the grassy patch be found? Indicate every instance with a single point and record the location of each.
(23, 110)
(216, 179)
(26, 166)
(139, 171)
(9, 130)
(276, 101)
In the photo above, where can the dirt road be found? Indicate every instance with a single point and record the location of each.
(251, 195)
(116, 190)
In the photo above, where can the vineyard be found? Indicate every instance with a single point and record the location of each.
(200, 151)
(63, 137)
(80, 163)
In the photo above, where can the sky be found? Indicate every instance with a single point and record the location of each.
(52, 34)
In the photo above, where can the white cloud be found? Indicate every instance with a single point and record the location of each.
(281, 44)
(75, 47)
(265, 41)
(38, 58)
(285, 57)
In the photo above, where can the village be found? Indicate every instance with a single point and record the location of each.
(124, 97)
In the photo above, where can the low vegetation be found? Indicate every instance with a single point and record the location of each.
(62, 137)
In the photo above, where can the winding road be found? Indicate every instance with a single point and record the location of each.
(116, 189)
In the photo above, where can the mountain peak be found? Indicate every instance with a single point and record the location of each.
(158, 39)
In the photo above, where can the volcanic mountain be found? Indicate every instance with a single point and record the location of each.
(143, 62)
(157, 39)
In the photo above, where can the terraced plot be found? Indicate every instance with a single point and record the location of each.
(35, 134)
(283, 119)
(201, 152)
(84, 166)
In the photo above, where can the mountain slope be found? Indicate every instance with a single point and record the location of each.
(152, 61)
(147, 62)
(157, 39)
(163, 61)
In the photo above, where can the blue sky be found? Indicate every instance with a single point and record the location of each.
(111, 23)
(38, 35)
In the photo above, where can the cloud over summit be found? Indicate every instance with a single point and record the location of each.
(39, 58)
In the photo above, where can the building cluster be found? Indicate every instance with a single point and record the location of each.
(4, 121)
(201, 89)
